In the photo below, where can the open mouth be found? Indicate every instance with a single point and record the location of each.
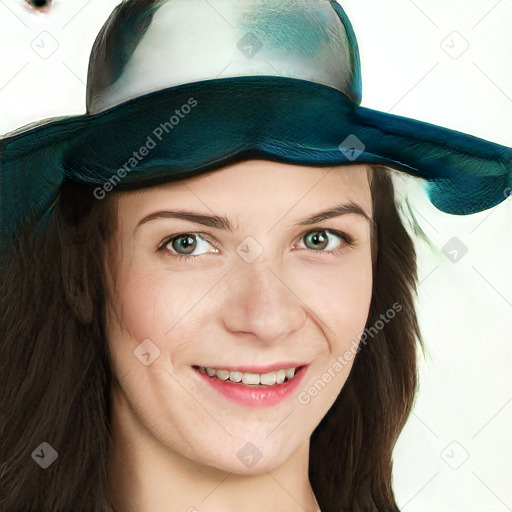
(257, 380)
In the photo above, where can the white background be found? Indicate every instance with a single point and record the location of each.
(455, 452)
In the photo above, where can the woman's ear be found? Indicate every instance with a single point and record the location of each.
(373, 180)
(75, 278)
(374, 244)
(80, 222)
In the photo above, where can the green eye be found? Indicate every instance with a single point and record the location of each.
(321, 239)
(186, 243)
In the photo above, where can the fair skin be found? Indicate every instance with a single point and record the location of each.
(177, 439)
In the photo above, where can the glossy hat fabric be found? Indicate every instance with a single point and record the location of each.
(179, 87)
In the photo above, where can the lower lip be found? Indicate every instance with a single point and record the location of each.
(255, 396)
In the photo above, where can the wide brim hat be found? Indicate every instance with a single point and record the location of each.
(177, 88)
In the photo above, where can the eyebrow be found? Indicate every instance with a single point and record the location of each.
(217, 222)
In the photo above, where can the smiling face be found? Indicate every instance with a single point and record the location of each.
(264, 290)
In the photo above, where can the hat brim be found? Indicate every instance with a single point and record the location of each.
(200, 126)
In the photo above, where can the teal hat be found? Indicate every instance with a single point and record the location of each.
(179, 87)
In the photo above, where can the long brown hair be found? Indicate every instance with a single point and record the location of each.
(56, 371)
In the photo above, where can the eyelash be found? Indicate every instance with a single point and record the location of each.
(349, 242)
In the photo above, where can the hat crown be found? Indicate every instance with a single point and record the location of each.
(150, 45)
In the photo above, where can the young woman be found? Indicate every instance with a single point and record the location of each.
(206, 304)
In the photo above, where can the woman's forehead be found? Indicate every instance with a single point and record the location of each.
(257, 191)
(265, 177)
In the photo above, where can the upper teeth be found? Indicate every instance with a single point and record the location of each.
(255, 379)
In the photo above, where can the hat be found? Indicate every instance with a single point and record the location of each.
(179, 87)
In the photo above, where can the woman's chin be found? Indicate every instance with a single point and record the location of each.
(249, 465)
(247, 458)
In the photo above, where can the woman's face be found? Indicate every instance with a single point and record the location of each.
(250, 287)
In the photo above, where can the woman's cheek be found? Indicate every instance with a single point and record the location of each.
(340, 297)
(140, 303)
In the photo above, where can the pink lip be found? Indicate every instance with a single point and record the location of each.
(253, 396)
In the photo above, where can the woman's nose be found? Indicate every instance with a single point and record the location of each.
(262, 302)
